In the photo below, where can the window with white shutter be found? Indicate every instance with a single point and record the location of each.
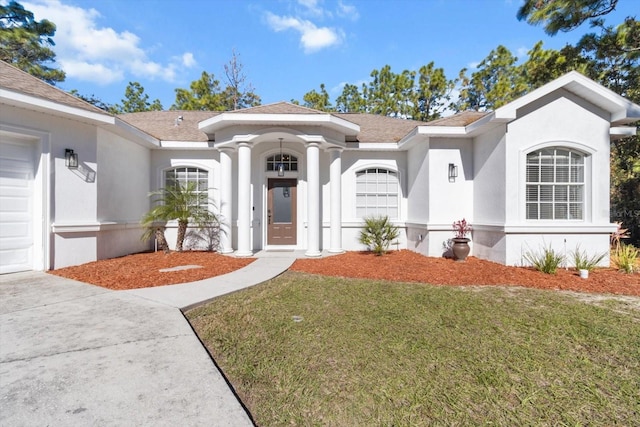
(555, 184)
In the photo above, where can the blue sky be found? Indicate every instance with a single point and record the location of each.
(287, 47)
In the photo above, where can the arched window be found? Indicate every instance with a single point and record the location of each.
(555, 184)
(183, 175)
(289, 162)
(377, 193)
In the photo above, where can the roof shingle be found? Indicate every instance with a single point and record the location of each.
(17, 80)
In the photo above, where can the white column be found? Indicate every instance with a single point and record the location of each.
(226, 201)
(313, 199)
(335, 177)
(244, 199)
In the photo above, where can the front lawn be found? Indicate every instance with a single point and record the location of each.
(312, 350)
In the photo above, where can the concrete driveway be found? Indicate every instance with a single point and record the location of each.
(76, 354)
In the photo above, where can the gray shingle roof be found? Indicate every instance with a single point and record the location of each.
(374, 128)
(165, 126)
(461, 119)
(16, 80)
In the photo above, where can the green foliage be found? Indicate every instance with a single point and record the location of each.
(183, 203)
(497, 82)
(582, 261)
(317, 101)
(378, 233)
(546, 261)
(206, 94)
(626, 258)
(564, 15)
(203, 94)
(94, 100)
(25, 42)
(420, 96)
(351, 100)
(135, 100)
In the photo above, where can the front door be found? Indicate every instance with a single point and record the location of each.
(281, 212)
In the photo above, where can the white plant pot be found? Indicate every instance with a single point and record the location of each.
(584, 274)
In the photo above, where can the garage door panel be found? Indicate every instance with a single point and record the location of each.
(16, 206)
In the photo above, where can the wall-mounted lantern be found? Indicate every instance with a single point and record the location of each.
(70, 159)
(453, 172)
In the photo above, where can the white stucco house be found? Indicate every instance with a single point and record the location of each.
(283, 177)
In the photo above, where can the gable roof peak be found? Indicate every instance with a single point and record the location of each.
(281, 107)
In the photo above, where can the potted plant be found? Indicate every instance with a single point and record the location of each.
(460, 246)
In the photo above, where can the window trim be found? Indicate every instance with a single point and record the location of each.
(398, 192)
(164, 171)
(588, 154)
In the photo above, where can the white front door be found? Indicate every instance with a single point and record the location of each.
(16, 205)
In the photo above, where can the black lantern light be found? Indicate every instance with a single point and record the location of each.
(70, 159)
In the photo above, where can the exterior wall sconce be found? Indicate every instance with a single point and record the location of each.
(70, 159)
(281, 164)
(453, 172)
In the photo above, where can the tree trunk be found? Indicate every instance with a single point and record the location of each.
(162, 241)
(182, 231)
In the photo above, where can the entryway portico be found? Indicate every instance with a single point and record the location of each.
(279, 210)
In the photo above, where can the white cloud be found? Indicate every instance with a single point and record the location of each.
(473, 65)
(188, 60)
(94, 73)
(522, 52)
(98, 54)
(312, 38)
(311, 7)
(347, 11)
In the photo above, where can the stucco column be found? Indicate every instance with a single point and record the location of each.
(244, 199)
(313, 199)
(335, 177)
(226, 200)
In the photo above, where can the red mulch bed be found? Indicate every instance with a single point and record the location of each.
(142, 270)
(408, 266)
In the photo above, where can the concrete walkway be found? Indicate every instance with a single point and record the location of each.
(75, 354)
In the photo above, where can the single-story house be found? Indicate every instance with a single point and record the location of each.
(532, 173)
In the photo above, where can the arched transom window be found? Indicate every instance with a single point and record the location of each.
(289, 162)
(377, 193)
(555, 184)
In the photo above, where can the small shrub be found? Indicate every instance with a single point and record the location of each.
(461, 229)
(583, 261)
(378, 233)
(547, 261)
(626, 258)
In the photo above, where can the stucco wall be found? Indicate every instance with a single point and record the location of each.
(161, 160)
(557, 120)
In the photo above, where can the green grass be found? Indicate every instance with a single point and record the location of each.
(379, 354)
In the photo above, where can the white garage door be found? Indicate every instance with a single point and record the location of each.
(16, 205)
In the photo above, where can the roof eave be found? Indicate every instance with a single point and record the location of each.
(212, 125)
(54, 108)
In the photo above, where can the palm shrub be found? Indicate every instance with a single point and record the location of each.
(378, 233)
(183, 203)
(546, 261)
(583, 261)
(626, 258)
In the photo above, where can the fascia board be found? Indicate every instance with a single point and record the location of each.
(186, 145)
(372, 146)
(53, 108)
(228, 119)
(136, 135)
(618, 132)
(621, 109)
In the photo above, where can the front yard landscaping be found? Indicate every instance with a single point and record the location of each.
(308, 350)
